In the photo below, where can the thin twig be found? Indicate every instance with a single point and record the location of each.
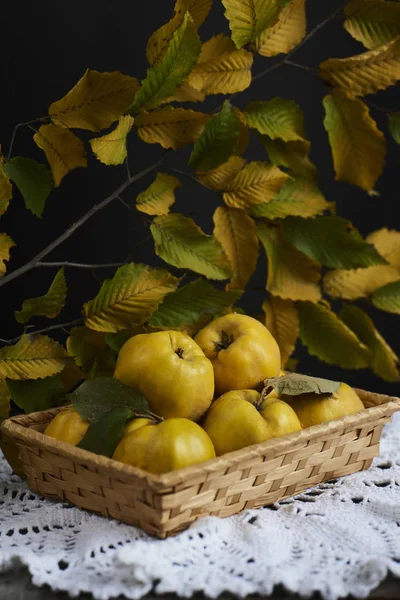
(300, 66)
(304, 41)
(78, 265)
(31, 264)
(188, 175)
(376, 107)
(14, 133)
(44, 330)
(128, 171)
(126, 204)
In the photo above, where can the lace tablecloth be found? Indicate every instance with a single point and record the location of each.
(338, 538)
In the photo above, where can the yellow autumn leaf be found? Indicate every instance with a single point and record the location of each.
(5, 398)
(159, 196)
(248, 18)
(6, 244)
(358, 283)
(257, 182)
(186, 93)
(170, 127)
(358, 147)
(159, 40)
(218, 179)
(287, 33)
(291, 274)
(372, 22)
(198, 9)
(63, 150)
(244, 134)
(32, 357)
(282, 320)
(129, 298)
(5, 187)
(221, 69)
(111, 149)
(96, 101)
(387, 242)
(237, 234)
(365, 73)
(214, 47)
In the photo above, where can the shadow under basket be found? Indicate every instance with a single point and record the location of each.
(165, 504)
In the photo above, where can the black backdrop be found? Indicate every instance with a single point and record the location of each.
(47, 45)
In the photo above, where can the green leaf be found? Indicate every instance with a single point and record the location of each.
(103, 436)
(116, 340)
(188, 304)
(129, 298)
(32, 357)
(293, 155)
(387, 298)
(95, 398)
(179, 59)
(248, 18)
(326, 336)
(36, 395)
(294, 384)
(331, 241)
(297, 197)
(218, 141)
(277, 118)
(33, 180)
(90, 351)
(394, 125)
(384, 361)
(181, 243)
(49, 305)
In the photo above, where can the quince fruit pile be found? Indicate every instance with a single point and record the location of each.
(206, 395)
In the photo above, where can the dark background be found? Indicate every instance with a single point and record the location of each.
(46, 47)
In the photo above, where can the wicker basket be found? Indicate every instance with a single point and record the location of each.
(166, 504)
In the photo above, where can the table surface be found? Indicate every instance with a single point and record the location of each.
(17, 585)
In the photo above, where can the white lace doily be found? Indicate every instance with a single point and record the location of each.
(339, 538)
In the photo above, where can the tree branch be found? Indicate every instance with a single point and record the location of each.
(79, 265)
(304, 41)
(31, 264)
(189, 176)
(303, 67)
(44, 330)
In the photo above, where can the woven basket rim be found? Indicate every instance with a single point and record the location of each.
(18, 427)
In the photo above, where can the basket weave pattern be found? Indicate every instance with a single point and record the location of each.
(165, 504)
